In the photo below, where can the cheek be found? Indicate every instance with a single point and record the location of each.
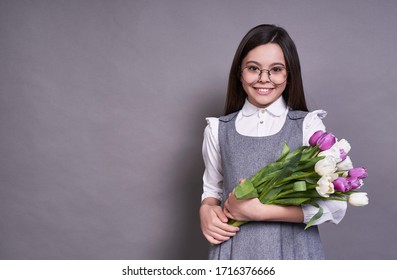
(245, 87)
(281, 88)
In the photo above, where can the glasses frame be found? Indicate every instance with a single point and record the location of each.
(268, 74)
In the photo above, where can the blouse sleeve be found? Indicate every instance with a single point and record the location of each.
(213, 175)
(312, 123)
(333, 210)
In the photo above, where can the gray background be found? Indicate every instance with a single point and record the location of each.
(102, 107)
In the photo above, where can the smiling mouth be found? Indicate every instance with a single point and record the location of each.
(263, 90)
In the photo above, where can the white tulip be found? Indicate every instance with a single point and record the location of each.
(344, 145)
(358, 199)
(345, 165)
(325, 186)
(326, 166)
(334, 152)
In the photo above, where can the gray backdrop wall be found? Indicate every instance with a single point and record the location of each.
(102, 107)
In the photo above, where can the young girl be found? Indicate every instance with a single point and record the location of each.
(265, 107)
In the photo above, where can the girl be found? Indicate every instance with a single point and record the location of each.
(265, 107)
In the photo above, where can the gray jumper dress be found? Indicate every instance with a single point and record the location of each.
(242, 156)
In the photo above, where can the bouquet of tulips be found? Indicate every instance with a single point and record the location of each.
(321, 171)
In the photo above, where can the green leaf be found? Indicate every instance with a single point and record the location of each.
(284, 152)
(300, 186)
(290, 201)
(308, 165)
(271, 195)
(316, 216)
(266, 173)
(303, 194)
(312, 180)
(245, 190)
(310, 152)
(290, 164)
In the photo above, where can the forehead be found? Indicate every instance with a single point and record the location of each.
(265, 55)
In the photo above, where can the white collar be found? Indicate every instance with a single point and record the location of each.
(277, 108)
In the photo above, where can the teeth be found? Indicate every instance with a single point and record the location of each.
(263, 89)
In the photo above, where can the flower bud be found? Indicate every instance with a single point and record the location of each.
(358, 199)
(314, 138)
(326, 141)
(326, 166)
(345, 165)
(359, 172)
(343, 145)
(355, 183)
(341, 184)
(325, 186)
(332, 152)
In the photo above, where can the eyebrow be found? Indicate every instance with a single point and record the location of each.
(257, 63)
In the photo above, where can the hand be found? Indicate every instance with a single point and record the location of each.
(214, 224)
(244, 209)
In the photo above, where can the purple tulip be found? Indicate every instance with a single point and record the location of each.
(326, 141)
(354, 183)
(359, 172)
(322, 139)
(314, 138)
(341, 184)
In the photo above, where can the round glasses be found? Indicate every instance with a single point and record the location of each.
(252, 74)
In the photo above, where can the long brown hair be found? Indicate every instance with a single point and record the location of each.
(262, 34)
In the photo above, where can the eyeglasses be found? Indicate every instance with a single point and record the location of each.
(277, 74)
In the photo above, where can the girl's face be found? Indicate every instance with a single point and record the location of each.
(262, 92)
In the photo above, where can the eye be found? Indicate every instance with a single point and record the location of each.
(253, 68)
(277, 69)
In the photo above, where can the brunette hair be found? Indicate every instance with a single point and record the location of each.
(263, 34)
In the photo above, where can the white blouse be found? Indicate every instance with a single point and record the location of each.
(253, 121)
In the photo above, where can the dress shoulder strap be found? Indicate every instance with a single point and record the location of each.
(296, 115)
(229, 117)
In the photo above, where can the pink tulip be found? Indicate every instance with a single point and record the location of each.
(359, 172)
(322, 139)
(326, 141)
(341, 184)
(314, 138)
(355, 183)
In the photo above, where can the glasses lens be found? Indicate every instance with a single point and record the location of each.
(277, 75)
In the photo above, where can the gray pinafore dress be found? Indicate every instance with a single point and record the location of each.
(242, 156)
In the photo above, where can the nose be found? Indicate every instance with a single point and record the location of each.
(266, 74)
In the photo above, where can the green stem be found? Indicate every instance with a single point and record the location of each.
(236, 223)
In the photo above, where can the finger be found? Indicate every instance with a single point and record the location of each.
(227, 213)
(222, 236)
(221, 231)
(212, 240)
(221, 215)
(228, 228)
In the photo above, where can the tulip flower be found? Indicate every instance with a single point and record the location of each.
(345, 165)
(326, 166)
(325, 186)
(341, 184)
(358, 172)
(343, 145)
(358, 199)
(315, 137)
(326, 141)
(334, 152)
